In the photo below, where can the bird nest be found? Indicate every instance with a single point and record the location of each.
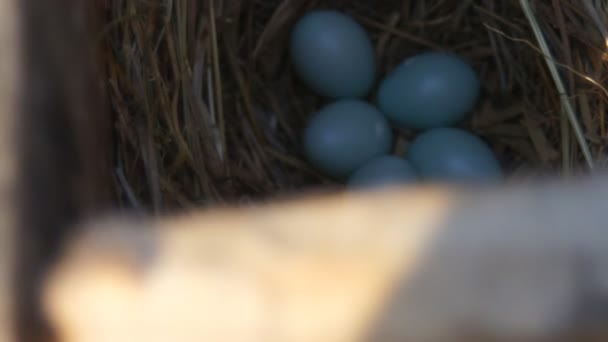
(207, 109)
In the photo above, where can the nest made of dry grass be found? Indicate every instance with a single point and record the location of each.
(207, 110)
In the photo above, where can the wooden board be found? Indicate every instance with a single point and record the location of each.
(59, 134)
(10, 64)
(420, 264)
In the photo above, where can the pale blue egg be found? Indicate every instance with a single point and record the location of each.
(344, 135)
(333, 55)
(453, 155)
(429, 90)
(383, 171)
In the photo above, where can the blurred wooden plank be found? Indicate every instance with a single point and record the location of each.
(62, 142)
(420, 264)
(10, 67)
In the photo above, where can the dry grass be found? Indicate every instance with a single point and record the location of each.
(207, 109)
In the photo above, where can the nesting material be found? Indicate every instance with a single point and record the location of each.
(208, 109)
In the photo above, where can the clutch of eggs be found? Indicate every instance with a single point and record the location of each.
(350, 139)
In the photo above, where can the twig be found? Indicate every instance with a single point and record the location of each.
(569, 111)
